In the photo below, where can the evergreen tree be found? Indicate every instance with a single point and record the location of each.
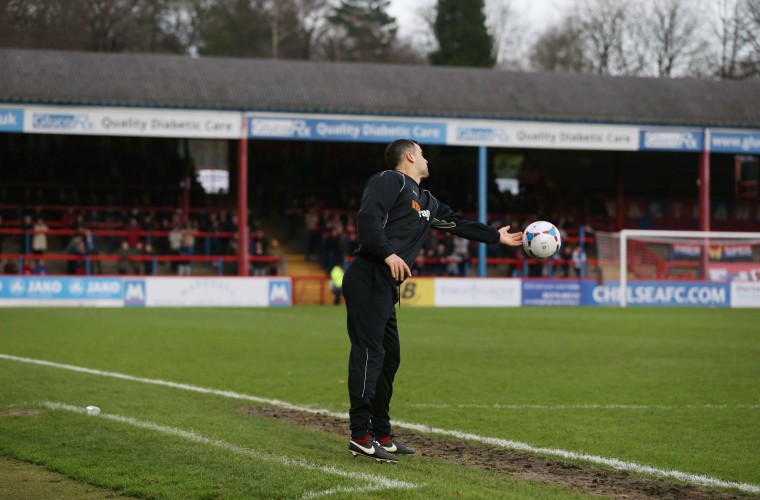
(463, 39)
(362, 31)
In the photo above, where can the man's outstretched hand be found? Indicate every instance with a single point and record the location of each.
(510, 239)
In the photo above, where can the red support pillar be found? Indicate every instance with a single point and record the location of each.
(704, 185)
(243, 202)
(704, 202)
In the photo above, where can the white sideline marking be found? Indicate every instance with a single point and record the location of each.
(499, 406)
(615, 463)
(377, 483)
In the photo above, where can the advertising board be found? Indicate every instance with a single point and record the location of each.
(216, 292)
(551, 293)
(11, 120)
(659, 293)
(51, 290)
(742, 142)
(745, 294)
(543, 135)
(115, 291)
(133, 122)
(477, 292)
(331, 128)
(418, 292)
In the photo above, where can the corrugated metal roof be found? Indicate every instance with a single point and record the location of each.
(151, 80)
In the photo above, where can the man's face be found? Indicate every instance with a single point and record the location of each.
(420, 163)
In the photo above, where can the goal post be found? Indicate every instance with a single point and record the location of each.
(663, 256)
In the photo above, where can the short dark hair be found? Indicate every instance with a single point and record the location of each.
(396, 150)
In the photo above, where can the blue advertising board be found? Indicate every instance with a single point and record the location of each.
(659, 293)
(312, 129)
(11, 120)
(551, 293)
(671, 140)
(61, 288)
(735, 142)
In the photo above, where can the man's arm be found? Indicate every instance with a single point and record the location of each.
(451, 222)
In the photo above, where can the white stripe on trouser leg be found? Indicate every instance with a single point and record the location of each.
(366, 362)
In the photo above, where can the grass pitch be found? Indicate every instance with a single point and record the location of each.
(667, 388)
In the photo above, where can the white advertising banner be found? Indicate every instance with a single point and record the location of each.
(216, 292)
(478, 292)
(133, 122)
(745, 294)
(543, 135)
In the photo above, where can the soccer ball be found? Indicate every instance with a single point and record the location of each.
(541, 240)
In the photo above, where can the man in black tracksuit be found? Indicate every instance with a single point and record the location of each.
(394, 217)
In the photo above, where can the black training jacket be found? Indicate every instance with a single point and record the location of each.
(395, 215)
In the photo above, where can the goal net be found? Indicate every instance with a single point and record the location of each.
(637, 255)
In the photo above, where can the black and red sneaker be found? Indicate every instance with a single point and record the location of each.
(391, 445)
(368, 447)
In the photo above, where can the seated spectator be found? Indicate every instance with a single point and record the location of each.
(439, 254)
(175, 242)
(579, 259)
(149, 265)
(275, 250)
(27, 225)
(91, 245)
(419, 267)
(39, 237)
(313, 227)
(187, 247)
(133, 232)
(138, 266)
(10, 267)
(78, 265)
(259, 267)
(41, 268)
(124, 253)
(461, 251)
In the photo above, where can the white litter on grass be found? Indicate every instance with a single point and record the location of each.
(371, 482)
(694, 479)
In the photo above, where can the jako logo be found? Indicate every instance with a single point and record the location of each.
(279, 293)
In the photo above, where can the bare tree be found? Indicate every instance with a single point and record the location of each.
(559, 48)
(508, 34)
(729, 30)
(605, 28)
(671, 34)
(752, 36)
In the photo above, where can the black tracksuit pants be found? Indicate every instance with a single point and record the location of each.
(370, 293)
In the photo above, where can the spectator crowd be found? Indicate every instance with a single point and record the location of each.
(111, 241)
